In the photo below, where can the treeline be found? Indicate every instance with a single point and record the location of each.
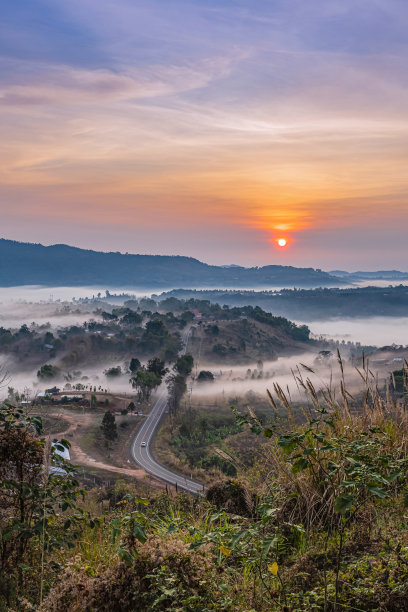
(309, 304)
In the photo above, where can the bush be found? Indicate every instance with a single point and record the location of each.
(205, 376)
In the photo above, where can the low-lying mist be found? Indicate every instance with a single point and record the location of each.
(238, 381)
(374, 331)
(57, 314)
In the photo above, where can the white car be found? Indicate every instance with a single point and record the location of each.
(143, 444)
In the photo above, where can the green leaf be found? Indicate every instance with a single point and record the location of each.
(381, 493)
(353, 461)
(347, 483)
(268, 433)
(238, 536)
(319, 437)
(288, 444)
(142, 500)
(343, 503)
(299, 465)
(125, 556)
(268, 543)
(197, 544)
(139, 533)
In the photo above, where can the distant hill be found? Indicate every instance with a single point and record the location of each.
(62, 265)
(308, 304)
(376, 275)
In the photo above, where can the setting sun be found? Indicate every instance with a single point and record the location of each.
(282, 242)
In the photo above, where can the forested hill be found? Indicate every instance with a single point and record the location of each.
(309, 304)
(62, 265)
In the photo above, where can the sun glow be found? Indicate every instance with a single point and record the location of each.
(282, 242)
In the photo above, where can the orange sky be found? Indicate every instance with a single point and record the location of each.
(205, 139)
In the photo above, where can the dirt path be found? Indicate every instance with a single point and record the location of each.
(82, 458)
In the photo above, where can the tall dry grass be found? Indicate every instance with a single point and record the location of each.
(335, 422)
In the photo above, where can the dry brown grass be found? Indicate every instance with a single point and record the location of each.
(308, 496)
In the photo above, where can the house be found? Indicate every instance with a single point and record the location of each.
(64, 453)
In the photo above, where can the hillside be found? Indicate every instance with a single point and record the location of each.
(387, 275)
(62, 265)
(316, 520)
(222, 335)
(310, 304)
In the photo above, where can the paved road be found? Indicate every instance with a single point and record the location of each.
(142, 454)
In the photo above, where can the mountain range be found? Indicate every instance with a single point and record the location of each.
(62, 265)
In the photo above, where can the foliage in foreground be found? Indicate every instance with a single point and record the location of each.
(37, 487)
(324, 526)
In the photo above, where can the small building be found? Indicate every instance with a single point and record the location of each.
(64, 453)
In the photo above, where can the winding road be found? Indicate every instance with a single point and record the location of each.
(142, 454)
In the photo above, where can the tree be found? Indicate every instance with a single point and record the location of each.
(145, 382)
(113, 372)
(171, 304)
(134, 365)
(132, 318)
(176, 385)
(398, 380)
(108, 427)
(47, 372)
(107, 316)
(205, 376)
(49, 338)
(156, 365)
(24, 331)
(220, 350)
(156, 327)
(37, 486)
(184, 365)
(147, 304)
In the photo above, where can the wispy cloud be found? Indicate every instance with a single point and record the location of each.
(215, 118)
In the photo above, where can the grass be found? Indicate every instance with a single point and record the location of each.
(53, 425)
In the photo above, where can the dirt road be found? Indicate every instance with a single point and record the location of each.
(82, 458)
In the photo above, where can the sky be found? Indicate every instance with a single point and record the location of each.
(208, 128)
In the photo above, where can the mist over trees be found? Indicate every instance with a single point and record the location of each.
(306, 304)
